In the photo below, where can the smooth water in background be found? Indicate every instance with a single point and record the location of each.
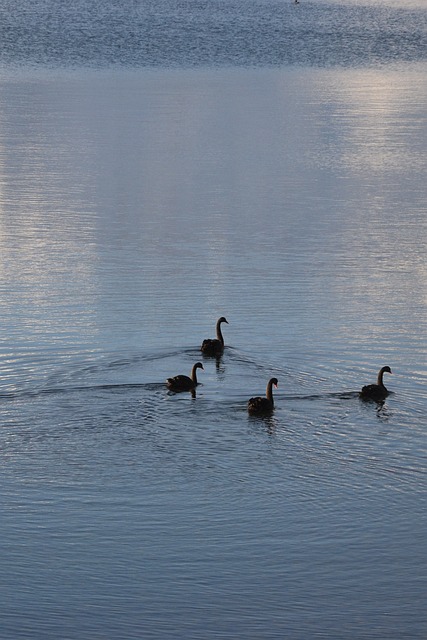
(151, 182)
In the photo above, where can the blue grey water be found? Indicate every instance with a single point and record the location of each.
(163, 164)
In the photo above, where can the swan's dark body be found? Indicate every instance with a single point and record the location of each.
(184, 383)
(377, 392)
(214, 346)
(259, 405)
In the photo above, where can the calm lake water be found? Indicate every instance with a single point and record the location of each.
(163, 164)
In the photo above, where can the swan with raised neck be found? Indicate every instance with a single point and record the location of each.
(265, 404)
(214, 346)
(376, 391)
(185, 383)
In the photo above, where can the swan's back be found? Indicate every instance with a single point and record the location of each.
(212, 347)
(180, 383)
(373, 392)
(260, 405)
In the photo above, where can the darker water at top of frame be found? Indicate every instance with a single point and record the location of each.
(177, 33)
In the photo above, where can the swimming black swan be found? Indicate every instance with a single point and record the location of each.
(184, 383)
(377, 391)
(263, 405)
(214, 346)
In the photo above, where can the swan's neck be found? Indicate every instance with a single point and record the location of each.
(380, 378)
(194, 374)
(219, 333)
(269, 392)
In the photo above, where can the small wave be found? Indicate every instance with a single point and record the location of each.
(32, 393)
(108, 362)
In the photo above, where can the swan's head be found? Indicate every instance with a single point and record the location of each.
(222, 319)
(274, 382)
(199, 365)
(386, 370)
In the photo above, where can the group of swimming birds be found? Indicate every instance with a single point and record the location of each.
(214, 347)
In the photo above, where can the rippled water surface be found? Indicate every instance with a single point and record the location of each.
(137, 205)
(212, 32)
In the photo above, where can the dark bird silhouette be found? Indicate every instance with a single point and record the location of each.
(184, 383)
(214, 346)
(377, 392)
(259, 405)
